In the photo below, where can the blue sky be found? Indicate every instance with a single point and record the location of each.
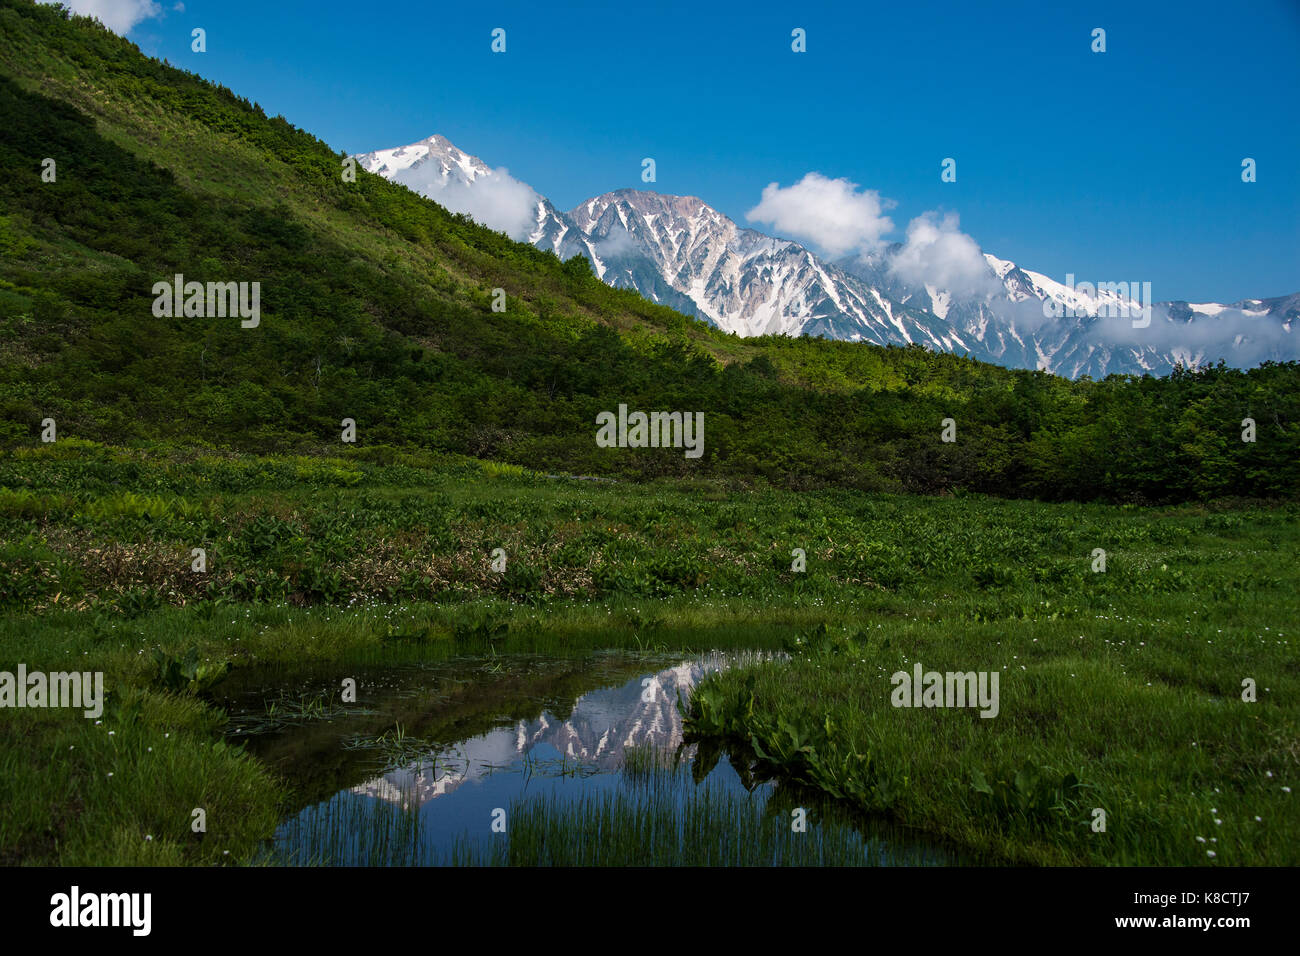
(1123, 165)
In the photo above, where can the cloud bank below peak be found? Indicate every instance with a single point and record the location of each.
(494, 199)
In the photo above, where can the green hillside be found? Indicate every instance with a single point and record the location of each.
(376, 306)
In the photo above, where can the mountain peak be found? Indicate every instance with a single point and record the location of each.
(434, 153)
(681, 252)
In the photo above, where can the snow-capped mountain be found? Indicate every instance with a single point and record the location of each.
(434, 167)
(1023, 319)
(680, 252)
(674, 250)
(435, 155)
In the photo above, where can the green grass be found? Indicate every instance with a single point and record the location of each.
(377, 309)
(121, 791)
(1122, 671)
(1139, 702)
(97, 528)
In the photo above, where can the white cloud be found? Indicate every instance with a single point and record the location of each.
(496, 200)
(120, 16)
(830, 213)
(618, 243)
(1237, 338)
(938, 253)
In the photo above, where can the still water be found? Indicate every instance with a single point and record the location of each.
(529, 760)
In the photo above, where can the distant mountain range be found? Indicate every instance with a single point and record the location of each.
(680, 252)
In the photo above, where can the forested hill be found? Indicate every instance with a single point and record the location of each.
(377, 305)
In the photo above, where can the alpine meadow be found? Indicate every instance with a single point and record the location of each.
(397, 534)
